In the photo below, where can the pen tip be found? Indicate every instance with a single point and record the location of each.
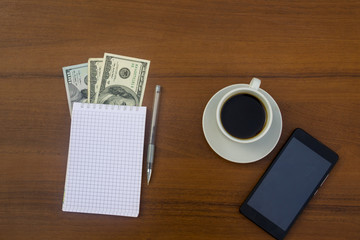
(148, 177)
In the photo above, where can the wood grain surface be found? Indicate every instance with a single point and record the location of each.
(307, 54)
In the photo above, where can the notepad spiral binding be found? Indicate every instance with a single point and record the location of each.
(106, 106)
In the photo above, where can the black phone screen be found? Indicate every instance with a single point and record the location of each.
(291, 181)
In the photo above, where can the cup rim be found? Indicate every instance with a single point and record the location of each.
(264, 101)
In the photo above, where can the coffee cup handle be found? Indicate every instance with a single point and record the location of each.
(255, 83)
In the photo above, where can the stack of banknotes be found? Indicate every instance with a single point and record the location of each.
(113, 79)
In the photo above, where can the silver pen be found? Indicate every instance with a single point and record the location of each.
(151, 147)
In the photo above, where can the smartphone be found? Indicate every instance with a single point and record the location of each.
(299, 169)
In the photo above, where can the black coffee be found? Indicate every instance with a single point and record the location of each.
(243, 116)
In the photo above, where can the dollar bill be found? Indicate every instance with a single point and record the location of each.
(76, 83)
(95, 67)
(123, 80)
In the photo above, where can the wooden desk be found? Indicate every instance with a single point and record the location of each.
(307, 54)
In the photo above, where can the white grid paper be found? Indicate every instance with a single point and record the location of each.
(105, 160)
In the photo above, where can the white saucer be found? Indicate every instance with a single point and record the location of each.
(239, 152)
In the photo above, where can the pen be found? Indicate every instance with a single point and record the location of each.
(151, 147)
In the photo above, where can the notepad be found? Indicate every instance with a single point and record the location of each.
(105, 160)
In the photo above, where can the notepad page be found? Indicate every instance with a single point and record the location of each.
(105, 159)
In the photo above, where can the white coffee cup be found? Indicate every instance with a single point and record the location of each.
(243, 113)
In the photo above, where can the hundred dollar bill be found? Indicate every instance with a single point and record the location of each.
(95, 67)
(123, 80)
(76, 80)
